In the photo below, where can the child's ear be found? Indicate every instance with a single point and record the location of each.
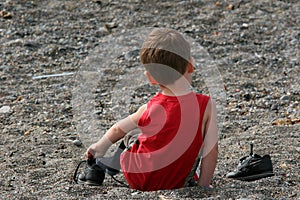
(191, 65)
(190, 68)
(150, 78)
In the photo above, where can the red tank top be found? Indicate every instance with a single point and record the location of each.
(170, 140)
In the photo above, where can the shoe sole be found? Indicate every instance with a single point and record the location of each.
(88, 182)
(255, 177)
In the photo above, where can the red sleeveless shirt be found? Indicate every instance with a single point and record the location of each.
(170, 140)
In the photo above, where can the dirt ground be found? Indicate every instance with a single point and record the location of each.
(256, 46)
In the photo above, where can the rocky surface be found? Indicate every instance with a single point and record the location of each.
(256, 46)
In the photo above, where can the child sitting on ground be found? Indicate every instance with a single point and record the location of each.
(165, 139)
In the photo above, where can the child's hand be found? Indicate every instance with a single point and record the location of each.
(95, 151)
(91, 151)
(99, 148)
(90, 154)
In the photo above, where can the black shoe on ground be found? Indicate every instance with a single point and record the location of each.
(253, 167)
(92, 175)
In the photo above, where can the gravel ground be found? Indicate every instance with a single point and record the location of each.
(256, 46)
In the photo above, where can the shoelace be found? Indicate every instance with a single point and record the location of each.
(118, 181)
(75, 177)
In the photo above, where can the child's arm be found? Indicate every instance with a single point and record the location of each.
(210, 148)
(207, 168)
(115, 133)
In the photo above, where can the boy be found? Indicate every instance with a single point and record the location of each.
(175, 127)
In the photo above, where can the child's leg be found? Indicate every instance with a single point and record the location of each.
(207, 168)
(113, 163)
(131, 138)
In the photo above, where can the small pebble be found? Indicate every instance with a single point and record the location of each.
(285, 98)
(218, 3)
(4, 109)
(132, 55)
(230, 7)
(77, 142)
(5, 15)
(135, 193)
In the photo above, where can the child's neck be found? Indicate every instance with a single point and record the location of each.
(178, 88)
(168, 92)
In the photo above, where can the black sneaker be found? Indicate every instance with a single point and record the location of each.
(253, 167)
(92, 175)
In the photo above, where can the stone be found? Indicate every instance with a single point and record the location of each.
(5, 109)
(284, 98)
(77, 142)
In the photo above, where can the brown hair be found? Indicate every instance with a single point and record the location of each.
(165, 55)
